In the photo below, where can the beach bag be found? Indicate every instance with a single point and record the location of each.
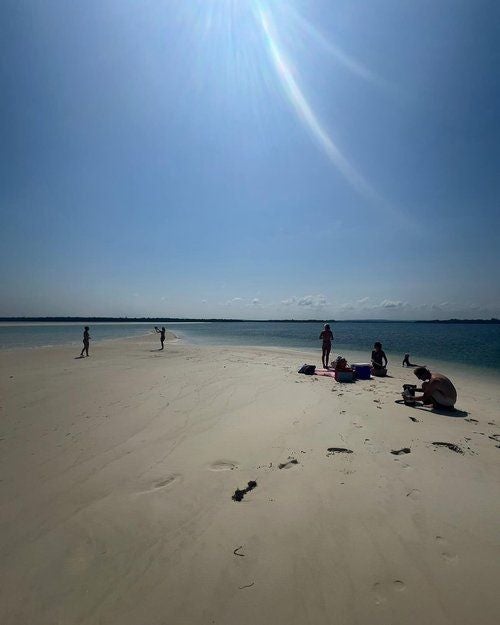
(307, 369)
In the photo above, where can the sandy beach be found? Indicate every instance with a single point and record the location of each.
(118, 470)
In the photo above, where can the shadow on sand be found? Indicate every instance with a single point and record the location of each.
(446, 412)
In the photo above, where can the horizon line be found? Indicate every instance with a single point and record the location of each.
(156, 319)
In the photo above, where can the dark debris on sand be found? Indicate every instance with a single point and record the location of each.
(338, 450)
(450, 446)
(403, 450)
(239, 494)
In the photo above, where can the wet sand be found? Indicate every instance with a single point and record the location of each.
(119, 471)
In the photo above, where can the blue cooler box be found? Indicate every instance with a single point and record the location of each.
(363, 370)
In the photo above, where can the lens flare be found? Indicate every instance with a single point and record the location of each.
(305, 112)
(308, 117)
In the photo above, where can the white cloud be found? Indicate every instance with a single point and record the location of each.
(306, 301)
(235, 300)
(387, 303)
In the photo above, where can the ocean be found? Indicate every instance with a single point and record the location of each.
(467, 344)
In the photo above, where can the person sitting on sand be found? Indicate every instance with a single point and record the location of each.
(406, 361)
(162, 336)
(327, 337)
(86, 341)
(378, 358)
(437, 389)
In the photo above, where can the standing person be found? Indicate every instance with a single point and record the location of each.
(327, 337)
(86, 341)
(378, 358)
(162, 336)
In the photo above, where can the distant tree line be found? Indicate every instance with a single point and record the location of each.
(493, 320)
(484, 321)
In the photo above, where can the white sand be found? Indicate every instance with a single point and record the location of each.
(117, 473)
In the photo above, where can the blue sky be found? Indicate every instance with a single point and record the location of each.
(250, 158)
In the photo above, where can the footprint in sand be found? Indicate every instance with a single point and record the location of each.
(471, 420)
(449, 558)
(380, 597)
(287, 465)
(446, 555)
(414, 494)
(223, 465)
(383, 590)
(404, 465)
(162, 483)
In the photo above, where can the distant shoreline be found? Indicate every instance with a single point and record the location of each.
(491, 321)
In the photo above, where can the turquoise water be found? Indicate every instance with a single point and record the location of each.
(44, 334)
(477, 345)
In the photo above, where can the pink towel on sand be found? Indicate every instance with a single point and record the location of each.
(330, 373)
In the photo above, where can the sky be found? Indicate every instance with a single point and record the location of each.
(254, 159)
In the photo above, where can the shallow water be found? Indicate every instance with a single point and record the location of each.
(466, 344)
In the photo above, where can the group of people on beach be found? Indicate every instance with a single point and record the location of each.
(86, 340)
(437, 390)
(379, 359)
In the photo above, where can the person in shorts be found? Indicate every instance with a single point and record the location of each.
(379, 360)
(437, 390)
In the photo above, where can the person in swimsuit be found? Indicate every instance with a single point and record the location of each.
(162, 337)
(327, 337)
(378, 358)
(86, 341)
(437, 389)
(406, 361)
